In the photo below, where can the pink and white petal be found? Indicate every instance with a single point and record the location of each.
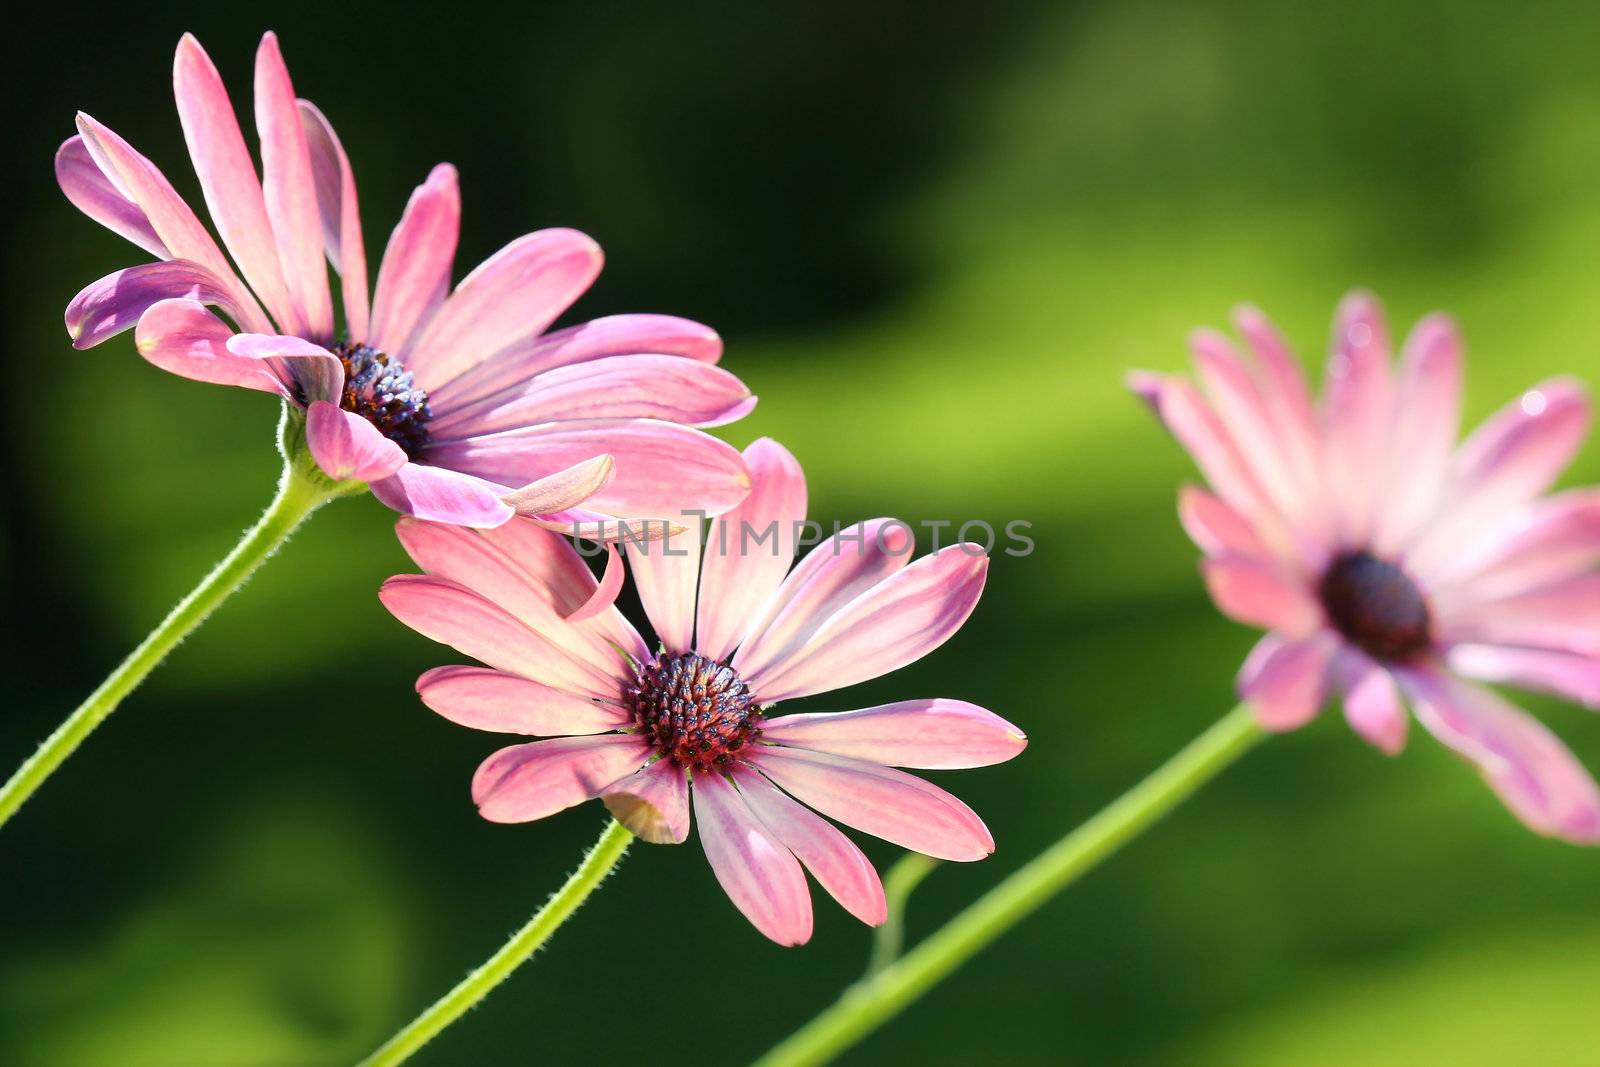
(341, 215)
(1562, 616)
(936, 734)
(589, 664)
(1284, 388)
(653, 803)
(509, 373)
(1550, 540)
(758, 873)
(666, 573)
(507, 300)
(107, 307)
(881, 801)
(831, 857)
(605, 594)
(1286, 679)
(452, 614)
(1566, 674)
(1507, 461)
(442, 495)
(750, 549)
(826, 579)
(1428, 406)
(668, 388)
(92, 193)
(349, 448)
(308, 371)
(228, 179)
(1359, 412)
(1260, 594)
(563, 490)
(1216, 528)
(527, 782)
(663, 469)
(1533, 772)
(415, 273)
(291, 191)
(1372, 705)
(897, 622)
(559, 572)
(183, 337)
(481, 698)
(175, 225)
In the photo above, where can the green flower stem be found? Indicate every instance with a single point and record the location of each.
(597, 863)
(879, 996)
(890, 937)
(301, 490)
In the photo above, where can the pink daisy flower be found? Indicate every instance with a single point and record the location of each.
(1390, 565)
(444, 401)
(644, 730)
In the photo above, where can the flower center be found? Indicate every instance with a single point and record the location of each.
(1377, 606)
(697, 712)
(380, 390)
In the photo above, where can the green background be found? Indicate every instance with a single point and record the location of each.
(934, 239)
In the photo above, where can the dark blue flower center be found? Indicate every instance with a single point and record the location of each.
(1377, 607)
(696, 712)
(379, 389)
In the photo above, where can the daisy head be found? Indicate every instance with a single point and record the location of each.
(1389, 564)
(692, 721)
(454, 405)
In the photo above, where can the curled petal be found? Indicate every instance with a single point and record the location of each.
(605, 594)
(653, 803)
(564, 489)
(116, 302)
(183, 337)
(308, 372)
(441, 495)
(349, 448)
(92, 193)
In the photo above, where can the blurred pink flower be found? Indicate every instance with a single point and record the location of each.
(441, 400)
(643, 729)
(1388, 564)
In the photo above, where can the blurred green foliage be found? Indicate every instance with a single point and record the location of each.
(934, 240)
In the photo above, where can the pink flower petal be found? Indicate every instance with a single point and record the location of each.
(760, 876)
(527, 782)
(560, 574)
(1216, 528)
(415, 273)
(454, 615)
(1549, 541)
(668, 388)
(1260, 594)
(1373, 708)
(1503, 464)
(341, 215)
(1286, 681)
(1359, 412)
(662, 469)
(653, 803)
(484, 699)
(750, 549)
(508, 299)
(1563, 616)
(138, 181)
(347, 447)
(308, 372)
(897, 622)
(184, 338)
(563, 490)
(935, 734)
(1285, 391)
(582, 661)
(830, 576)
(832, 858)
(291, 192)
(665, 573)
(1574, 676)
(228, 178)
(605, 594)
(92, 193)
(106, 307)
(1533, 773)
(442, 495)
(881, 801)
(1429, 404)
(510, 373)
